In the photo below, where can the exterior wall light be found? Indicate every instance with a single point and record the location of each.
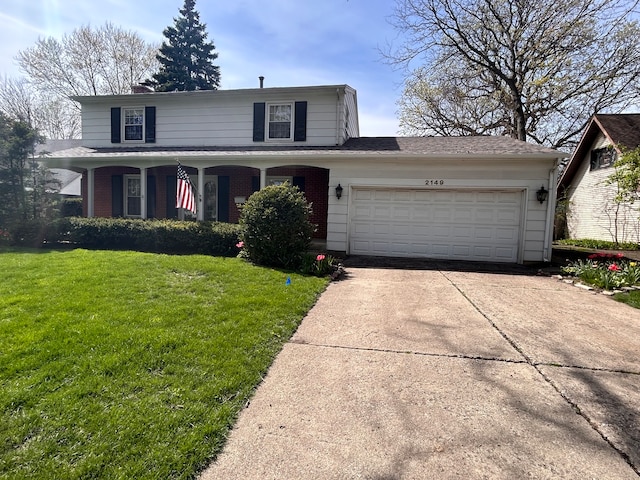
(339, 191)
(541, 194)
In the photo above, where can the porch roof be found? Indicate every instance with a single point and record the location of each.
(479, 147)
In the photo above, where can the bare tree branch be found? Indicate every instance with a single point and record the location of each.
(541, 68)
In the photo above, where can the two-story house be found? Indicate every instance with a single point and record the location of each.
(470, 198)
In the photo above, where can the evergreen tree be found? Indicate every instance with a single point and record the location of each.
(23, 189)
(186, 57)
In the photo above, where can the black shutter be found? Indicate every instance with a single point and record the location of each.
(300, 125)
(172, 211)
(150, 125)
(223, 198)
(255, 184)
(299, 182)
(151, 196)
(117, 196)
(258, 121)
(115, 125)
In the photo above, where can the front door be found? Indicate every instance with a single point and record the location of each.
(211, 198)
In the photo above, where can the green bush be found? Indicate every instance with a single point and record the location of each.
(276, 226)
(71, 207)
(161, 236)
(28, 233)
(598, 244)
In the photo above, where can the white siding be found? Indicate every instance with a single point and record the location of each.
(593, 213)
(207, 119)
(524, 175)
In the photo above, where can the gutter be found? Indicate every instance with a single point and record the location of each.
(551, 207)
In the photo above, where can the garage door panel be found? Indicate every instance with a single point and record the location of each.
(382, 212)
(360, 194)
(421, 214)
(509, 197)
(442, 214)
(470, 225)
(483, 234)
(463, 251)
(485, 215)
(483, 252)
(402, 196)
(510, 216)
(462, 232)
(401, 213)
(506, 234)
(382, 195)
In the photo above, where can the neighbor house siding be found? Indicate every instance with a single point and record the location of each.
(593, 213)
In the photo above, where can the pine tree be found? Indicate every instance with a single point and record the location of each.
(186, 57)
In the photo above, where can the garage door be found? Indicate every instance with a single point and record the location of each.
(446, 224)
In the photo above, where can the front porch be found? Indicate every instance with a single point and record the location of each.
(220, 191)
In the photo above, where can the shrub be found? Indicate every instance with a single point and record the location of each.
(71, 207)
(599, 244)
(28, 233)
(276, 230)
(162, 236)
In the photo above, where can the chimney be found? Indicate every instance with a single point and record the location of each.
(141, 88)
(261, 78)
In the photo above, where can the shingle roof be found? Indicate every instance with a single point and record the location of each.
(429, 147)
(56, 145)
(621, 129)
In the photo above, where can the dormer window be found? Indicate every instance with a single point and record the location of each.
(133, 124)
(279, 126)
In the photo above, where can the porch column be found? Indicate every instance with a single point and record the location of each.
(263, 178)
(200, 199)
(90, 192)
(143, 193)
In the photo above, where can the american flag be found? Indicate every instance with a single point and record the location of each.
(184, 195)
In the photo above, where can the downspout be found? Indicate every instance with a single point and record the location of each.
(337, 116)
(551, 208)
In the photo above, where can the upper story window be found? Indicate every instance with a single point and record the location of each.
(602, 158)
(133, 124)
(280, 121)
(280, 117)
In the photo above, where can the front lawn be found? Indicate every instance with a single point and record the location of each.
(630, 298)
(133, 365)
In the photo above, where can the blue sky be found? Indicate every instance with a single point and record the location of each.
(290, 42)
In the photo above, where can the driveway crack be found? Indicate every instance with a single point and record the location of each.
(536, 365)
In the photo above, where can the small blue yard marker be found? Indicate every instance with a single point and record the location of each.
(288, 282)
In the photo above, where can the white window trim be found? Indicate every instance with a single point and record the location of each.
(279, 180)
(124, 126)
(291, 123)
(125, 189)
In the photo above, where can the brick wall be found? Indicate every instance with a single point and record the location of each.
(241, 183)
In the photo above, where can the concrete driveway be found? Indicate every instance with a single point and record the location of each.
(445, 372)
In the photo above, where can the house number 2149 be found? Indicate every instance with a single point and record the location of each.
(434, 182)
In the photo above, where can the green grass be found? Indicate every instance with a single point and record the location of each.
(631, 298)
(598, 244)
(133, 365)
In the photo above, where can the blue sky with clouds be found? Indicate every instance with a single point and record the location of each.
(290, 42)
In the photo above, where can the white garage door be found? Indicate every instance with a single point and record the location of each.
(446, 224)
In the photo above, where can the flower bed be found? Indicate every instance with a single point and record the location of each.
(606, 271)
